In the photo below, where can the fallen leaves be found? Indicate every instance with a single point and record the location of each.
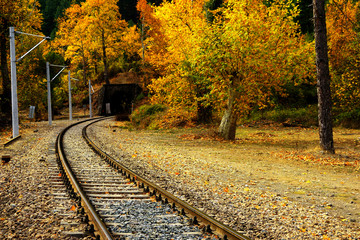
(333, 160)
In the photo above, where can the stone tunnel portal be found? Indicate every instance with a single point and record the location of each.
(119, 96)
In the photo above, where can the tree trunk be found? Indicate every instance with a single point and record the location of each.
(106, 78)
(323, 78)
(227, 128)
(204, 113)
(5, 106)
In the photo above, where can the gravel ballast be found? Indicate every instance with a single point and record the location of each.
(223, 190)
(28, 209)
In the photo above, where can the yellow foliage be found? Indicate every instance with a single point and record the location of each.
(342, 28)
(94, 31)
(251, 48)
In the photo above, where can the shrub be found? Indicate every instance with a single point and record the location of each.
(304, 117)
(349, 119)
(143, 116)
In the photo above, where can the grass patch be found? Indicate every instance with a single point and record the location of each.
(349, 119)
(304, 117)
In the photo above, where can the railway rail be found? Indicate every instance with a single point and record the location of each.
(118, 203)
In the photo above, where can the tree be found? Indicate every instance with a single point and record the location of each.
(91, 30)
(323, 78)
(106, 27)
(174, 30)
(251, 51)
(25, 17)
(343, 41)
(231, 60)
(72, 39)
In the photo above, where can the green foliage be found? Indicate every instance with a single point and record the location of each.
(304, 117)
(295, 95)
(210, 6)
(140, 97)
(143, 116)
(52, 10)
(349, 119)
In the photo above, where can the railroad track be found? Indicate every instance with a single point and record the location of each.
(119, 204)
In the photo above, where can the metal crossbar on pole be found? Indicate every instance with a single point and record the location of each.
(48, 65)
(53, 65)
(30, 50)
(57, 73)
(33, 35)
(13, 60)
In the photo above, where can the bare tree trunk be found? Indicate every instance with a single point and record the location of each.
(84, 62)
(323, 78)
(227, 128)
(204, 112)
(5, 106)
(106, 77)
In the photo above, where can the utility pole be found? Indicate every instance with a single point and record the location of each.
(13, 61)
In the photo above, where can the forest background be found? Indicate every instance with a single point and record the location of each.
(195, 58)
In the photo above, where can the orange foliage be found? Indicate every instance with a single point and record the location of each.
(344, 54)
(250, 49)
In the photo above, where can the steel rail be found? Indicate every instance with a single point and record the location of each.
(212, 224)
(90, 210)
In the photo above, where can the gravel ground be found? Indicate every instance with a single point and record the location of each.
(214, 184)
(27, 207)
(225, 190)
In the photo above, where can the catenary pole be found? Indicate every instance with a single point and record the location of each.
(13, 60)
(49, 80)
(49, 92)
(14, 99)
(90, 107)
(70, 103)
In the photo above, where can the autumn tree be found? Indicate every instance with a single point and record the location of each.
(92, 29)
(106, 27)
(154, 42)
(24, 16)
(234, 60)
(252, 51)
(343, 28)
(173, 34)
(72, 39)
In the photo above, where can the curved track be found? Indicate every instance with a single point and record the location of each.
(119, 204)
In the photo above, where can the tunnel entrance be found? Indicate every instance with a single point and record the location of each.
(117, 99)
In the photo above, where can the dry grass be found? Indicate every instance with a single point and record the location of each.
(291, 143)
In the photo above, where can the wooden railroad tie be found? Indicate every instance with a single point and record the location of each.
(5, 158)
